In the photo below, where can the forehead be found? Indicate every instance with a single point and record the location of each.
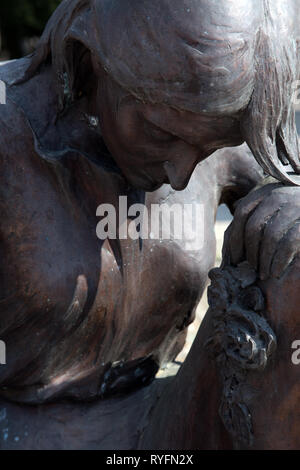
(169, 118)
(195, 55)
(184, 124)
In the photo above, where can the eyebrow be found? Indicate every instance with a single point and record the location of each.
(168, 131)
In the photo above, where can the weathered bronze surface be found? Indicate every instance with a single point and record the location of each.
(124, 98)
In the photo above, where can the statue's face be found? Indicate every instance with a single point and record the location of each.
(156, 144)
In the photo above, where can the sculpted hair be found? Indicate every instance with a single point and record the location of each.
(60, 44)
(268, 125)
(222, 57)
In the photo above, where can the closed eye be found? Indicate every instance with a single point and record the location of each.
(159, 134)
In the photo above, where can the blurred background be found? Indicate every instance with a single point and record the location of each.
(21, 24)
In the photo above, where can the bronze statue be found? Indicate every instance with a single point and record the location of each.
(121, 98)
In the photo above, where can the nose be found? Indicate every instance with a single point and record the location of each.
(180, 172)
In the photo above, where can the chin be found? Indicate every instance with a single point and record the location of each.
(145, 184)
(150, 187)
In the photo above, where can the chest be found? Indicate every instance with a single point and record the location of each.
(84, 302)
(49, 241)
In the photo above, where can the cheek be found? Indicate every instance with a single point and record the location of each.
(113, 137)
(111, 126)
(127, 128)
